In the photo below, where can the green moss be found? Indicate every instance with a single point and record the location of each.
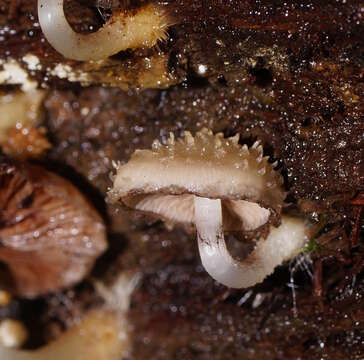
(311, 247)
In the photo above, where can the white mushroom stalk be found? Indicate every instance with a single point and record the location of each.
(216, 185)
(282, 243)
(125, 30)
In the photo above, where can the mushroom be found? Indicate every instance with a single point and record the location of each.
(99, 335)
(102, 334)
(218, 186)
(50, 235)
(124, 30)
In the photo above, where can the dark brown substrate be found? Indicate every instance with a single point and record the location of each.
(293, 81)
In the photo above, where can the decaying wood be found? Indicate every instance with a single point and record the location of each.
(289, 74)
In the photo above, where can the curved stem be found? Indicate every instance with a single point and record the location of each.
(122, 31)
(282, 244)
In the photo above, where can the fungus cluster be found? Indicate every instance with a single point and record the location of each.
(50, 235)
(218, 186)
(124, 30)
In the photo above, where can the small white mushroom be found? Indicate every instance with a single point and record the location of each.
(218, 186)
(125, 30)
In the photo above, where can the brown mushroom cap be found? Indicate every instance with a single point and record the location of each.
(50, 235)
(164, 180)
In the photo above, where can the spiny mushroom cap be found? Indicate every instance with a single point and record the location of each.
(50, 235)
(163, 180)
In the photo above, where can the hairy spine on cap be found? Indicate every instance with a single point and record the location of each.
(219, 152)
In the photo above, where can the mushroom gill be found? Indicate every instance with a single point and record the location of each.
(143, 27)
(219, 186)
(50, 235)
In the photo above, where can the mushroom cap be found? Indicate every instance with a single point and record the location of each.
(163, 181)
(50, 235)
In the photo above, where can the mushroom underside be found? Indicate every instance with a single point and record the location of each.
(213, 218)
(238, 215)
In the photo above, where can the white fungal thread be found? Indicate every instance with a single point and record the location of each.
(304, 263)
(123, 31)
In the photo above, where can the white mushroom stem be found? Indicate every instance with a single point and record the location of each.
(121, 32)
(282, 244)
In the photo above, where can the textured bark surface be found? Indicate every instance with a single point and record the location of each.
(290, 75)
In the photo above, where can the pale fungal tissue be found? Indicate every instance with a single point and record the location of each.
(21, 133)
(99, 335)
(124, 30)
(102, 334)
(20, 108)
(12, 73)
(218, 186)
(63, 71)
